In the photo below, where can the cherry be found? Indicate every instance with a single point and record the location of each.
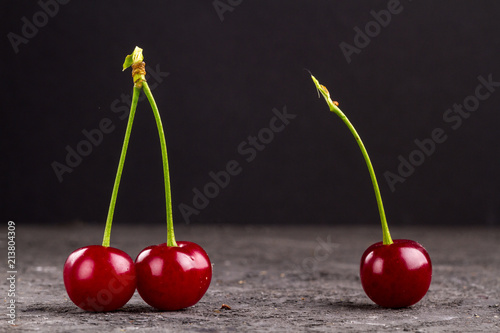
(99, 278)
(393, 273)
(173, 277)
(170, 276)
(102, 278)
(396, 275)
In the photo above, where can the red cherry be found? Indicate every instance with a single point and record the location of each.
(173, 277)
(396, 275)
(99, 278)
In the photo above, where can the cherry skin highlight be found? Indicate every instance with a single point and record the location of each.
(396, 275)
(173, 277)
(99, 278)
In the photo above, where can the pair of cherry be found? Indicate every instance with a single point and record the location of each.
(169, 276)
(103, 278)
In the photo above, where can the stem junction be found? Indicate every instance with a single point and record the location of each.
(135, 60)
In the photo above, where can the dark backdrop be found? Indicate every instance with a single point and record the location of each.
(220, 72)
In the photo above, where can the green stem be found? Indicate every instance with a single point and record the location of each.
(387, 240)
(111, 211)
(386, 236)
(166, 174)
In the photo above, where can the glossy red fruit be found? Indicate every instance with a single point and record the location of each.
(172, 278)
(99, 278)
(396, 275)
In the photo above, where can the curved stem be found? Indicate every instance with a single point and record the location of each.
(386, 236)
(166, 174)
(111, 211)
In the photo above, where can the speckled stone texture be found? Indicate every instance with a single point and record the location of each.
(283, 279)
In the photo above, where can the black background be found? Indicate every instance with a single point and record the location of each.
(225, 77)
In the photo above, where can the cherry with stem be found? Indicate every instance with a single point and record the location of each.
(173, 275)
(100, 277)
(393, 274)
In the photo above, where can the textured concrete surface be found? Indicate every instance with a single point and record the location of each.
(284, 279)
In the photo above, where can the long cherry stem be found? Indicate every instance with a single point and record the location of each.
(386, 236)
(166, 174)
(111, 211)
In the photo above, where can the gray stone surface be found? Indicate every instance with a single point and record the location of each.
(284, 279)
